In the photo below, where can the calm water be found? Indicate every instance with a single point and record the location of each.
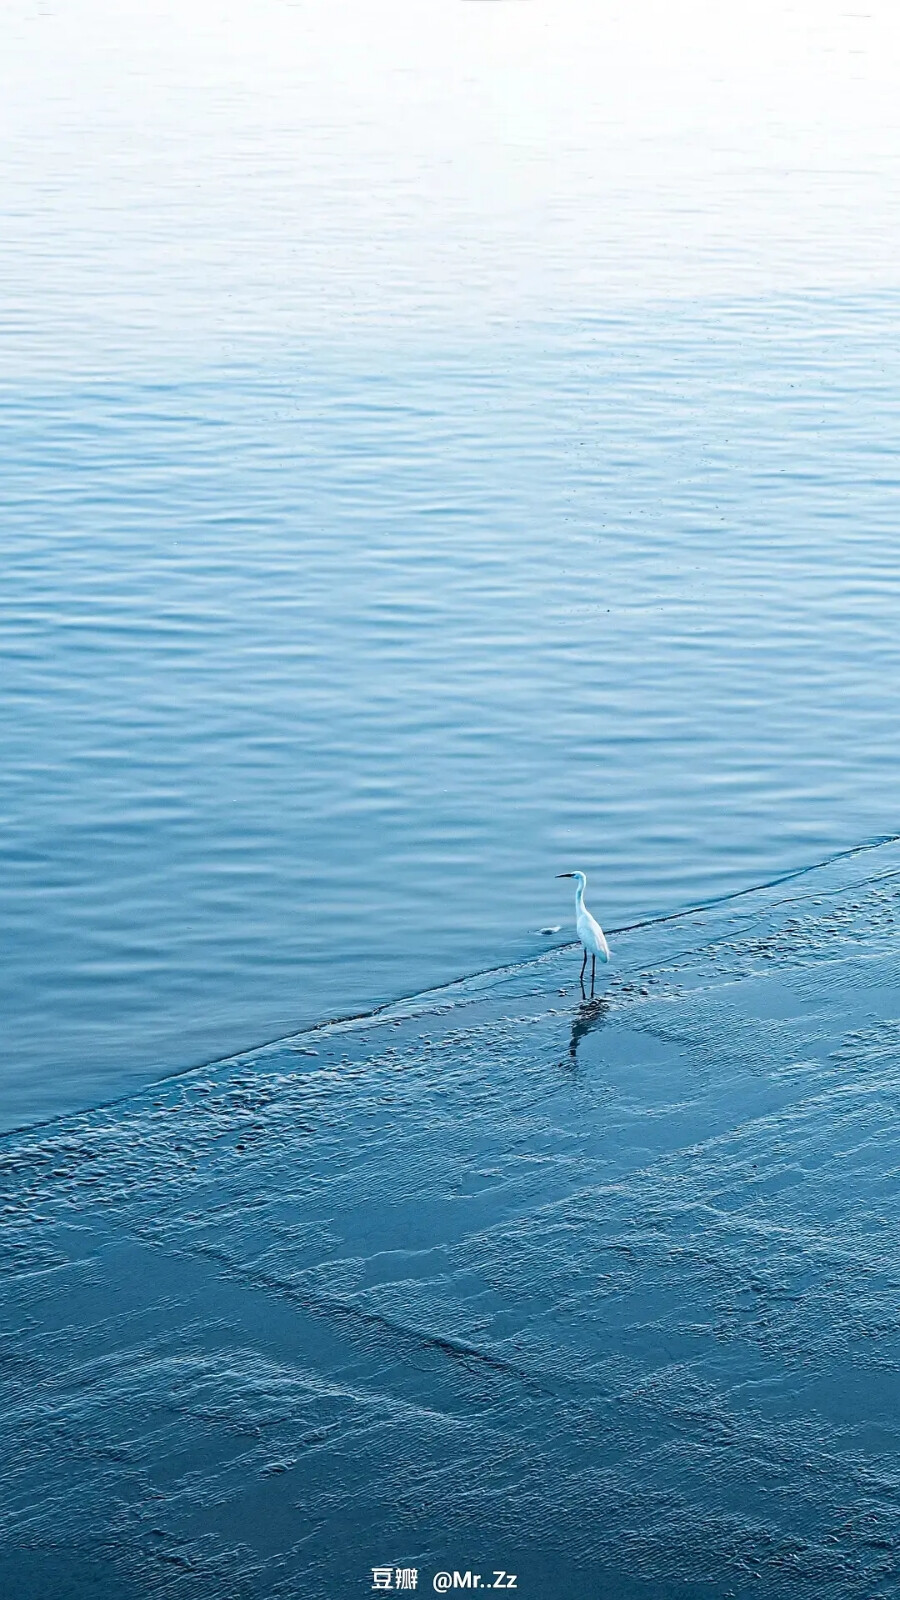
(421, 474)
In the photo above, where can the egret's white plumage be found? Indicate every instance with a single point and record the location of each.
(590, 933)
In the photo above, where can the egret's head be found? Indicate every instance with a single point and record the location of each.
(580, 878)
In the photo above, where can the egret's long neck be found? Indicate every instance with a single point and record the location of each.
(579, 896)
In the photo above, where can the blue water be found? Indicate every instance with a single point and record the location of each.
(343, 606)
(314, 676)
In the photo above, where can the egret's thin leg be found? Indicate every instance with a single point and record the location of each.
(583, 965)
(593, 971)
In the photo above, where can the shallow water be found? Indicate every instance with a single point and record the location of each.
(601, 1294)
(420, 479)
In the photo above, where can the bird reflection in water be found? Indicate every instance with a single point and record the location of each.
(591, 1014)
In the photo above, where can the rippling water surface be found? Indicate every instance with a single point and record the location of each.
(429, 462)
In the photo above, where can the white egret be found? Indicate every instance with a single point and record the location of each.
(590, 933)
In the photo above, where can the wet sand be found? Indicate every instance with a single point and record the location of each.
(606, 1296)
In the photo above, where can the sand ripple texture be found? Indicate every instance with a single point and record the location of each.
(607, 1296)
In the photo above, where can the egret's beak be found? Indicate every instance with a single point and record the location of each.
(565, 874)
